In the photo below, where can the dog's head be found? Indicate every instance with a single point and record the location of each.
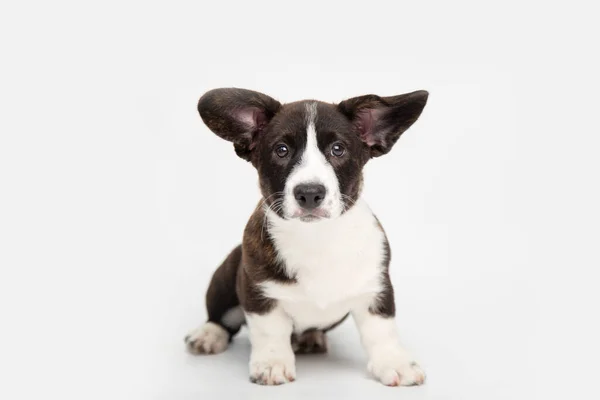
(309, 154)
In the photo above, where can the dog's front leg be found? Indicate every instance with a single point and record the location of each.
(389, 362)
(272, 360)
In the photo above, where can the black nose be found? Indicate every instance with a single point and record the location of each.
(309, 196)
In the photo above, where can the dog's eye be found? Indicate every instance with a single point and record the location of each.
(281, 150)
(337, 150)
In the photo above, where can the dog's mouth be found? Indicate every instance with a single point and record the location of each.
(309, 218)
(311, 215)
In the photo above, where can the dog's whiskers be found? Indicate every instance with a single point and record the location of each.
(345, 198)
(276, 206)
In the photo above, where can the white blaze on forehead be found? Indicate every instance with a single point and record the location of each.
(312, 157)
(313, 168)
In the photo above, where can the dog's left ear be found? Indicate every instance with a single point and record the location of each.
(237, 115)
(381, 120)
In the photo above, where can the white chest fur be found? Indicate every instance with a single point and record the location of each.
(337, 264)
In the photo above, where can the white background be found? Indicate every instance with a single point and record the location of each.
(117, 203)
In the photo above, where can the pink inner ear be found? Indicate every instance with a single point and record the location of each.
(247, 117)
(366, 121)
(254, 119)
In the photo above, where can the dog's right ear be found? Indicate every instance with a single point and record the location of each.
(237, 115)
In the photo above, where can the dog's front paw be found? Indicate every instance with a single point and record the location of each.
(273, 370)
(394, 370)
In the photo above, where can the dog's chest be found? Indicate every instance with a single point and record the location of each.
(337, 264)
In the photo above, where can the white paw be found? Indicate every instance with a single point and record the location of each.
(210, 338)
(275, 369)
(394, 370)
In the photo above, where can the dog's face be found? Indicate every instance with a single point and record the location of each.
(309, 155)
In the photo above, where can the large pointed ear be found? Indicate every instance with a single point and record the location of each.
(237, 115)
(381, 120)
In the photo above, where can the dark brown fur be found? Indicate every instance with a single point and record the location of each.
(385, 303)
(221, 295)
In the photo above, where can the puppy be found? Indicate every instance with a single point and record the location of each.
(312, 252)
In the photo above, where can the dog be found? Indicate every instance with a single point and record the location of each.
(312, 252)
